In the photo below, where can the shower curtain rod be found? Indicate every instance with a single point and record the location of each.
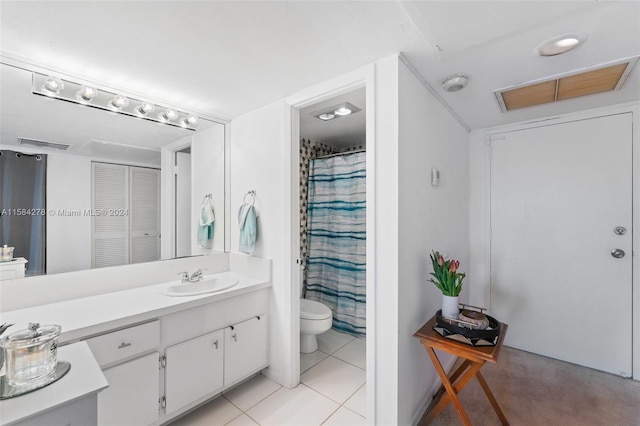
(343, 153)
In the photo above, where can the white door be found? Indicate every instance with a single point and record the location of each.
(557, 194)
(194, 370)
(110, 232)
(144, 212)
(183, 204)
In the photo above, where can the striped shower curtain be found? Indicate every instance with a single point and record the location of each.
(336, 259)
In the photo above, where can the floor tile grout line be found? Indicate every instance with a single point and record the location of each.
(343, 360)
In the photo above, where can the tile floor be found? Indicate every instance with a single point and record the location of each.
(332, 392)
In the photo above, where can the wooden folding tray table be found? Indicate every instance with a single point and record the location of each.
(474, 358)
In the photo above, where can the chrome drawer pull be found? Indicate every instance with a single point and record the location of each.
(124, 345)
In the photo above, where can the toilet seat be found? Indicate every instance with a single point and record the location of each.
(312, 310)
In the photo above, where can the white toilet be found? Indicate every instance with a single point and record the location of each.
(315, 318)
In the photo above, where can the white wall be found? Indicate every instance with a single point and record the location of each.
(430, 218)
(479, 217)
(258, 163)
(207, 177)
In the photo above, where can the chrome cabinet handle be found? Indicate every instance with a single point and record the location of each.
(617, 253)
(215, 344)
(124, 345)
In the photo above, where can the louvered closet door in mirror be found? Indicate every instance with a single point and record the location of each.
(125, 214)
(144, 214)
(110, 232)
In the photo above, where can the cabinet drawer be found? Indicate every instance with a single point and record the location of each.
(121, 344)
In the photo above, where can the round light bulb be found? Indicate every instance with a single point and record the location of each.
(86, 94)
(192, 120)
(52, 86)
(169, 115)
(343, 111)
(118, 102)
(145, 108)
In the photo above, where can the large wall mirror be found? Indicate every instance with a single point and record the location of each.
(123, 190)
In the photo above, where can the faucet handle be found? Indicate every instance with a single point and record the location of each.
(184, 275)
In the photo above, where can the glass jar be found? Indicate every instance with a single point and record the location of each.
(6, 253)
(31, 354)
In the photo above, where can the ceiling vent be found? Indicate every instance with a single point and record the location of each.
(599, 79)
(43, 144)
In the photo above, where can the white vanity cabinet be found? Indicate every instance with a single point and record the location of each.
(133, 392)
(193, 369)
(245, 348)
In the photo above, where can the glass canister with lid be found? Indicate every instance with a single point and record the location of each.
(31, 354)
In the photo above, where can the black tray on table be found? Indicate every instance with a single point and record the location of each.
(456, 330)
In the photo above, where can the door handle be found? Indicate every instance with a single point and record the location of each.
(617, 253)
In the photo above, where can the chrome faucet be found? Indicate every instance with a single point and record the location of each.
(194, 278)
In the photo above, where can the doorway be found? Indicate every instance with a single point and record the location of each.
(299, 102)
(561, 240)
(182, 188)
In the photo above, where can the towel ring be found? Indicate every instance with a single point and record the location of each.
(209, 196)
(251, 193)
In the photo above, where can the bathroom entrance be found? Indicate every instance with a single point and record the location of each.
(333, 246)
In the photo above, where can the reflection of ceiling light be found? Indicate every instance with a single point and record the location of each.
(455, 82)
(326, 116)
(560, 44)
(145, 108)
(52, 86)
(343, 110)
(118, 102)
(86, 94)
(169, 115)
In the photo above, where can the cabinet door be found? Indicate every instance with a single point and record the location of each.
(194, 370)
(245, 348)
(132, 395)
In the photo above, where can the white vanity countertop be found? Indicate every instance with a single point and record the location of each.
(83, 379)
(84, 317)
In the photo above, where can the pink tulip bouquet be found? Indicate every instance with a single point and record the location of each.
(445, 274)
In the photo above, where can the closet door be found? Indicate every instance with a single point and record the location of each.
(110, 232)
(144, 214)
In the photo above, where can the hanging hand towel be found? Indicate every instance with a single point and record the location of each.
(247, 219)
(205, 225)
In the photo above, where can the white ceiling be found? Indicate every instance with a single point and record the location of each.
(227, 58)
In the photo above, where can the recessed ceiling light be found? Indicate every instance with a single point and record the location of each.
(456, 82)
(326, 116)
(343, 110)
(52, 86)
(560, 44)
(86, 94)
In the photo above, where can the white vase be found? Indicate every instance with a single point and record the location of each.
(450, 306)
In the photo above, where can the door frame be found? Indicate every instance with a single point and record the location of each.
(363, 77)
(480, 207)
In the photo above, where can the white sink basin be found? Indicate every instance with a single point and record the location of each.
(206, 285)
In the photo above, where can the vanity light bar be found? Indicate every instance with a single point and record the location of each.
(65, 90)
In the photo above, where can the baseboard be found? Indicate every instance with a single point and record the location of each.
(422, 408)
